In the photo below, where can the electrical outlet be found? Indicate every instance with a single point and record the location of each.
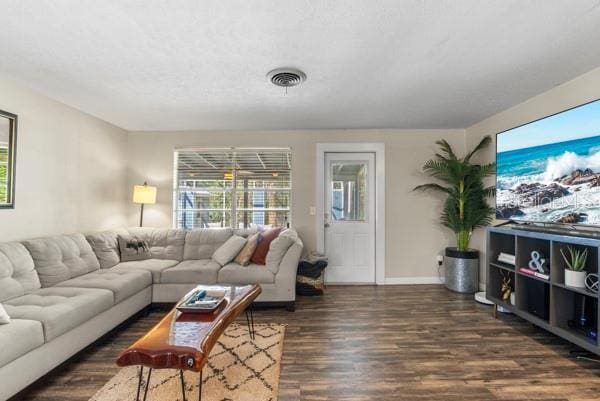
(313, 211)
(439, 259)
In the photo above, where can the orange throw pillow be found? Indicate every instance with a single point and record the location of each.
(260, 254)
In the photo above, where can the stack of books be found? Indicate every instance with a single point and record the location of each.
(201, 300)
(506, 258)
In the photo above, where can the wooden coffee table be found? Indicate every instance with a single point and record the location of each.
(184, 340)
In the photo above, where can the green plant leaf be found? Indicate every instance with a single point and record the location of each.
(465, 208)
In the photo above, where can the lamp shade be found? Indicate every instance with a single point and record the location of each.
(144, 194)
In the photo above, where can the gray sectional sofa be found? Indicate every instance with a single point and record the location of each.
(64, 292)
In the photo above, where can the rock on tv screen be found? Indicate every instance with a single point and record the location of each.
(549, 170)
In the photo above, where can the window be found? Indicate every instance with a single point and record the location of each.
(232, 188)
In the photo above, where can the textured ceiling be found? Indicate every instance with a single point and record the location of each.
(190, 64)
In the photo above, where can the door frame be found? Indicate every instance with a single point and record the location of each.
(379, 150)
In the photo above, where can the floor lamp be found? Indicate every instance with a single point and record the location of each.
(144, 195)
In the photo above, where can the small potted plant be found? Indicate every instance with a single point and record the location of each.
(575, 260)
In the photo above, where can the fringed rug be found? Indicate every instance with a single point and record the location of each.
(238, 369)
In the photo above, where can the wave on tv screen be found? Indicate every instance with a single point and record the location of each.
(549, 170)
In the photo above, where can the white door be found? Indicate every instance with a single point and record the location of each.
(350, 217)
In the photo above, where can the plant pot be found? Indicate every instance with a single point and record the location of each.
(461, 270)
(575, 279)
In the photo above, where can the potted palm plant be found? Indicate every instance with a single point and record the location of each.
(465, 209)
(575, 260)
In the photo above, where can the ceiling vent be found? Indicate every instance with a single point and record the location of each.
(286, 77)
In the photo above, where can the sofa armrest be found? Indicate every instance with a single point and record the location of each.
(285, 279)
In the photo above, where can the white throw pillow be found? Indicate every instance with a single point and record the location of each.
(277, 250)
(4, 318)
(229, 250)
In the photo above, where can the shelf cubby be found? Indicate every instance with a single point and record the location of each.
(498, 274)
(572, 309)
(558, 274)
(533, 296)
(549, 304)
(501, 243)
(526, 245)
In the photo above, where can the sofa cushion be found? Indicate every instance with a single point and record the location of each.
(154, 266)
(229, 250)
(4, 318)
(106, 247)
(204, 271)
(260, 254)
(60, 309)
(202, 243)
(61, 257)
(133, 248)
(123, 284)
(18, 338)
(278, 248)
(244, 256)
(251, 274)
(164, 243)
(17, 272)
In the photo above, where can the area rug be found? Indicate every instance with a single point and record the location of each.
(238, 369)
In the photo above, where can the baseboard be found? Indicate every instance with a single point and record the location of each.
(414, 280)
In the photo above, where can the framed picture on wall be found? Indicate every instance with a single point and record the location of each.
(8, 155)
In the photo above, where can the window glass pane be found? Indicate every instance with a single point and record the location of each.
(252, 186)
(348, 191)
(264, 181)
(202, 199)
(191, 219)
(191, 184)
(3, 173)
(5, 128)
(249, 218)
(263, 200)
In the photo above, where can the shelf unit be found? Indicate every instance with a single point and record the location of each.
(550, 303)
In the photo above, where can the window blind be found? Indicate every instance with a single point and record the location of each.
(236, 188)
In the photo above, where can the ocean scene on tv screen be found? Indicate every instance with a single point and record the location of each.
(549, 170)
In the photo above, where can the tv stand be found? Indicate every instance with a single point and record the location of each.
(549, 304)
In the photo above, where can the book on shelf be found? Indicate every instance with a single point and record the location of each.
(534, 273)
(506, 258)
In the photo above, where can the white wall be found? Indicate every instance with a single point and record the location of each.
(71, 169)
(413, 235)
(75, 172)
(580, 90)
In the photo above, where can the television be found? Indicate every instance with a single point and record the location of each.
(548, 170)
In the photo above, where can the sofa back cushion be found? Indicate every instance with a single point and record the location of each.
(106, 247)
(17, 272)
(164, 243)
(202, 243)
(62, 257)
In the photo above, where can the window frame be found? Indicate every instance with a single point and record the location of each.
(233, 188)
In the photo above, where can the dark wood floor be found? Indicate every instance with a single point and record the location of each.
(383, 343)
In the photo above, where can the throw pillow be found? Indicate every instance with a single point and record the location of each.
(226, 252)
(277, 250)
(243, 258)
(267, 236)
(133, 248)
(4, 318)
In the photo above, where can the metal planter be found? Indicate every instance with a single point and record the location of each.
(461, 270)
